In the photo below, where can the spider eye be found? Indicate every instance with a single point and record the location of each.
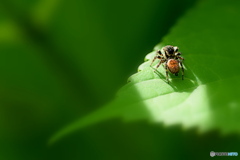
(175, 49)
(170, 51)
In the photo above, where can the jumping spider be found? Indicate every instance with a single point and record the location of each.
(172, 60)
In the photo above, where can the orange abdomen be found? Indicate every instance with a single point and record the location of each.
(173, 66)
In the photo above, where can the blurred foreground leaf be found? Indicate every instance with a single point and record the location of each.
(208, 97)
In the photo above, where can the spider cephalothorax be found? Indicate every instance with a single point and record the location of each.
(172, 60)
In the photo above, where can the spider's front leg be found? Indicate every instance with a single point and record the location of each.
(162, 60)
(159, 54)
(153, 60)
(179, 57)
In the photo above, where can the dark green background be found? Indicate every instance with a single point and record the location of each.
(60, 60)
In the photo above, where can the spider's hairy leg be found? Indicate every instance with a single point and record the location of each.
(180, 58)
(167, 79)
(182, 70)
(159, 63)
(159, 53)
(154, 59)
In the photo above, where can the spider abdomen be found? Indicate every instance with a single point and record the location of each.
(173, 66)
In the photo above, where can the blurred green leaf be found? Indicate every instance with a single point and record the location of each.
(207, 98)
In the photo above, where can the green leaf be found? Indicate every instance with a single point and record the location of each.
(208, 96)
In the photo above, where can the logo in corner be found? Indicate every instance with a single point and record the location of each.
(212, 154)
